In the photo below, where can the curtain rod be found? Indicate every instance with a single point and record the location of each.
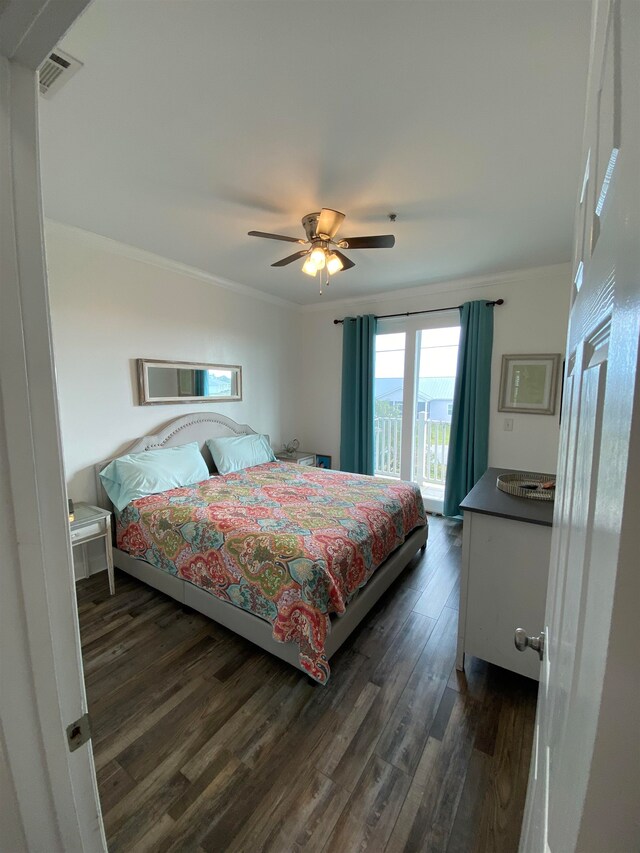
(428, 311)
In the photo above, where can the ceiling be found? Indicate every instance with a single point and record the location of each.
(195, 121)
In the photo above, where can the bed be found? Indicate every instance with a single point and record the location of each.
(291, 558)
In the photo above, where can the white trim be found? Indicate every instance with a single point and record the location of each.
(410, 375)
(30, 30)
(446, 286)
(125, 250)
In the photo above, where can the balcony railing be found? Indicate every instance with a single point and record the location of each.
(431, 448)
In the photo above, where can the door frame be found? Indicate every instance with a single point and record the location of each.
(53, 791)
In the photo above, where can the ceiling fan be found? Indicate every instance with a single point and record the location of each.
(322, 250)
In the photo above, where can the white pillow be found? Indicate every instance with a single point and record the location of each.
(240, 451)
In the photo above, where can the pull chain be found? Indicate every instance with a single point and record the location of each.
(327, 281)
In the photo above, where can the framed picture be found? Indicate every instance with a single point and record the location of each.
(528, 383)
(323, 461)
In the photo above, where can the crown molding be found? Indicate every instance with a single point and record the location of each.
(445, 286)
(125, 250)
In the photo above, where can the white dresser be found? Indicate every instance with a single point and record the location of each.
(505, 567)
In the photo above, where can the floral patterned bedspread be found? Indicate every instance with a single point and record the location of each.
(286, 542)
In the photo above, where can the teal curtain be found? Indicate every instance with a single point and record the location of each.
(469, 439)
(356, 433)
(200, 383)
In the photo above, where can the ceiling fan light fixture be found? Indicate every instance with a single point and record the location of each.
(309, 267)
(323, 252)
(334, 264)
(329, 222)
(318, 257)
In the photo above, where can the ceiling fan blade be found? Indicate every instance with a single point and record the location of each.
(329, 222)
(275, 237)
(346, 263)
(383, 241)
(291, 258)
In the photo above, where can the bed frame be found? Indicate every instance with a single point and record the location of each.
(200, 427)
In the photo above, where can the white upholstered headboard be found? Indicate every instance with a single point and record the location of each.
(198, 426)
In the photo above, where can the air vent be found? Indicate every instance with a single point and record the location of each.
(55, 71)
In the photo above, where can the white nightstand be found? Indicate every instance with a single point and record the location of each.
(300, 457)
(91, 523)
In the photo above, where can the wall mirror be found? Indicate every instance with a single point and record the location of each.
(187, 382)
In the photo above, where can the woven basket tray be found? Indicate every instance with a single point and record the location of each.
(514, 484)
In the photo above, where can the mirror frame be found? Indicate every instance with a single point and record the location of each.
(144, 398)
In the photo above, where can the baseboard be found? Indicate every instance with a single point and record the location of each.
(84, 568)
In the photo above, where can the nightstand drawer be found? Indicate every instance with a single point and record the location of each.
(307, 460)
(299, 458)
(88, 531)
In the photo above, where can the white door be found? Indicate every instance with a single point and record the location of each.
(50, 796)
(583, 787)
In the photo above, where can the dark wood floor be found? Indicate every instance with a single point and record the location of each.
(204, 743)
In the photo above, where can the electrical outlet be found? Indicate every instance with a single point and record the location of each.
(508, 424)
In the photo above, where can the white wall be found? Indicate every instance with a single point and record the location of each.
(533, 319)
(111, 305)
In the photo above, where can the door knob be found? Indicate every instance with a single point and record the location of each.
(523, 641)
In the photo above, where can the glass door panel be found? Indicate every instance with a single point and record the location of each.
(389, 393)
(414, 381)
(437, 357)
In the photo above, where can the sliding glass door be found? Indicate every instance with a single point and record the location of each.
(415, 375)
(389, 397)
